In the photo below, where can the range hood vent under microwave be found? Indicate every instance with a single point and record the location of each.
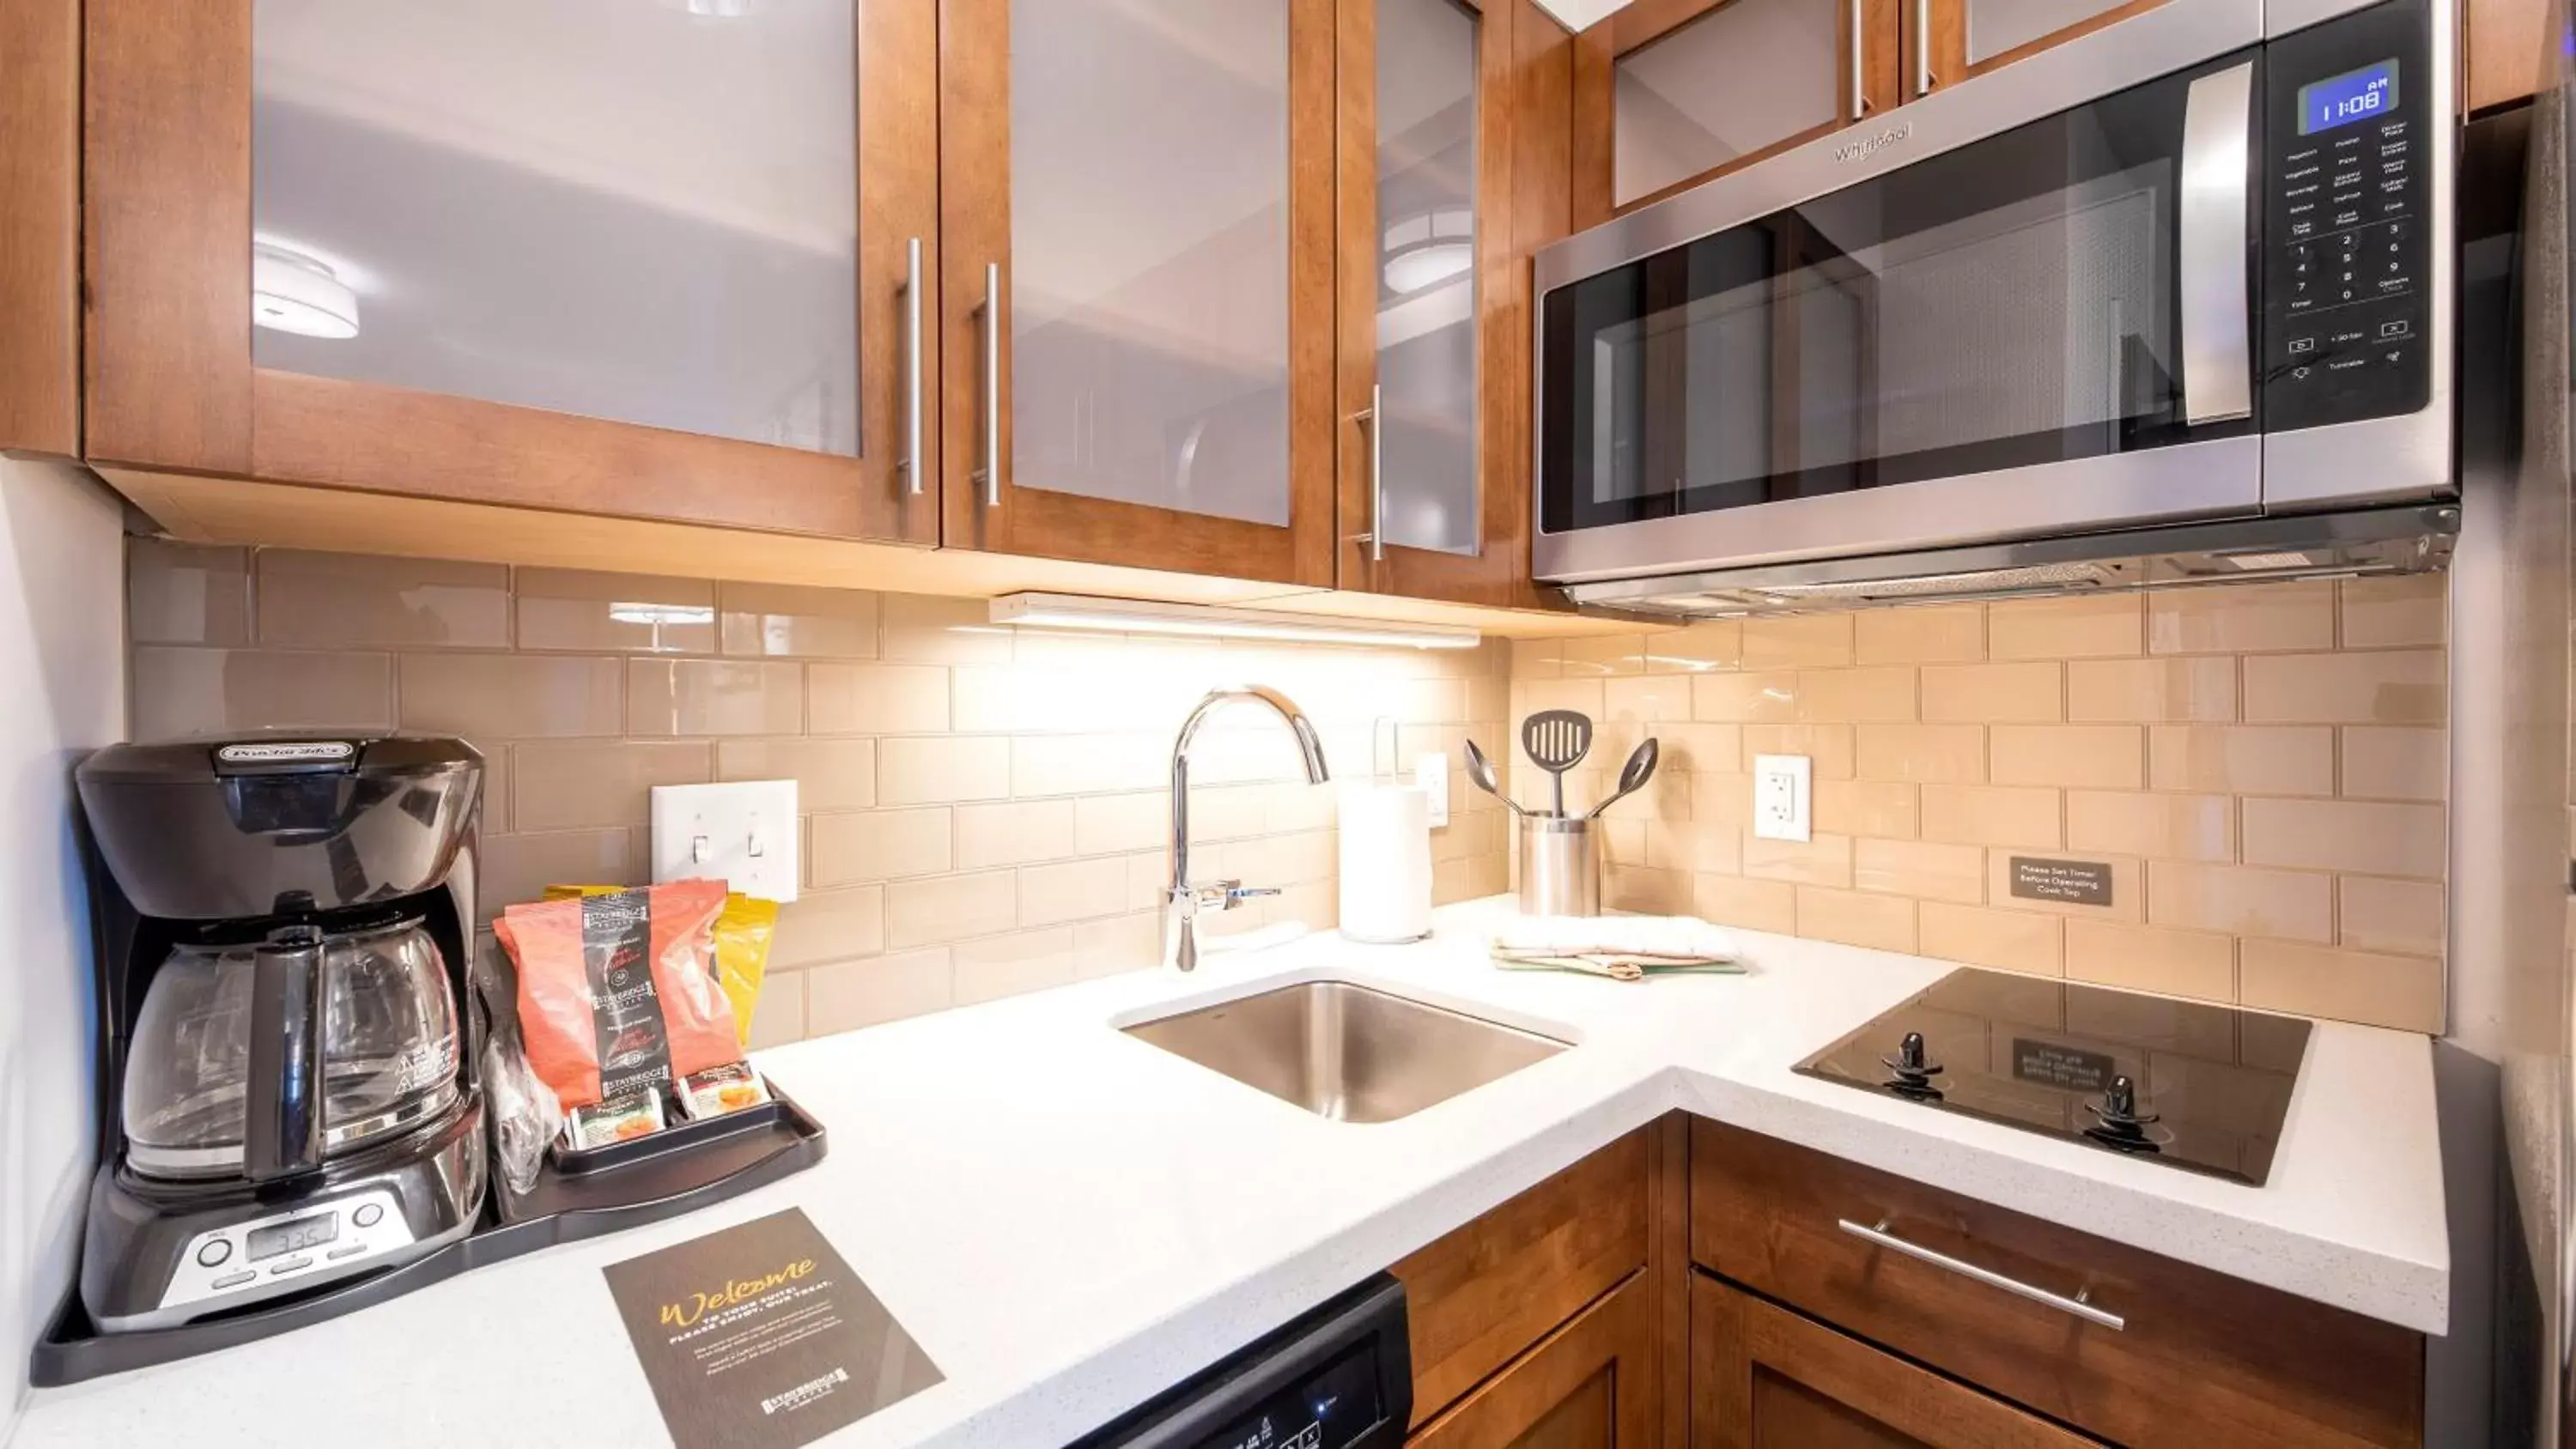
(2378, 541)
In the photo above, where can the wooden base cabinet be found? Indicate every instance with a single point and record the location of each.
(1589, 1385)
(1765, 1378)
(2140, 1349)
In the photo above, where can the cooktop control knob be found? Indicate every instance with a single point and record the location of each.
(1913, 1070)
(2121, 1100)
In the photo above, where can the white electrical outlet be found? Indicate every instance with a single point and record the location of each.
(743, 833)
(1431, 772)
(1783, 798)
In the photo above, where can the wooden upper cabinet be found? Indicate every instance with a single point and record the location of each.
(1452, 170)
(641, 259)
(1668, 93)
(2508, 51)
(1948, 41)
(40, 226)
(1136, 317)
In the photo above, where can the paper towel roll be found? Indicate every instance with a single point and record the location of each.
(1386, 862)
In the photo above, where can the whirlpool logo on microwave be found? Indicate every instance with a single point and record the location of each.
(1868, 146)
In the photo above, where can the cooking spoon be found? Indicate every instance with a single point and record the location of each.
(1481, 770)
(1632, 777)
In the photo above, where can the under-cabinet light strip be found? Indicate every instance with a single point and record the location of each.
(1139, 616)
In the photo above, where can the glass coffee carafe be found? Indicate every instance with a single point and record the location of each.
(263, 1059)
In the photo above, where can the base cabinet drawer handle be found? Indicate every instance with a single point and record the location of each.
(2080, 1305)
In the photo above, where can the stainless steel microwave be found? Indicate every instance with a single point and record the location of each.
(2194, 265)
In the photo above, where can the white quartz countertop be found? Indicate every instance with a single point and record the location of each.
(1070, 1220)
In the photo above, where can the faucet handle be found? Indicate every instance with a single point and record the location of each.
(1236, 895)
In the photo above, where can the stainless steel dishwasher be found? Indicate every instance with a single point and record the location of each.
(1341, 1377)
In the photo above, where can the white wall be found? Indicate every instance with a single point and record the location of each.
(62, 693)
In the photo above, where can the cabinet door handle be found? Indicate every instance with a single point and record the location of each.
(1859, 76)
(1370, 418)
(990, 475)
(2080, 1305)
(910, 464)
(1922, 48)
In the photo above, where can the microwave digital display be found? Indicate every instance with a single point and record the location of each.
(2352, 96)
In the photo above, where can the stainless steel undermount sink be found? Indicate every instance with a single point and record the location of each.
(1346, 1051)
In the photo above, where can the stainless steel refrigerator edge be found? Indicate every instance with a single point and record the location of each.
(2393, 458)
(2503, 1072)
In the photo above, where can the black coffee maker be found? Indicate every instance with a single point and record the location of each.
(288, 1027)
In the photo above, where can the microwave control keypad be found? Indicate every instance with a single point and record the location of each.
(2346, 300)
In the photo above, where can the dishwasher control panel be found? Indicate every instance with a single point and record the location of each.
(1339, 1378)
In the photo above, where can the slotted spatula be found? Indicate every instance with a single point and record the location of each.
(1556, 740)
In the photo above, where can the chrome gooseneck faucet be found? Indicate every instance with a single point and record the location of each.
(1183, 903)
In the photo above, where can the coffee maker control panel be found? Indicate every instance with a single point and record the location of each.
(269, 1256)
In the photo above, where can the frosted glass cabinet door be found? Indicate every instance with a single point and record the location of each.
(635, 258)
(1438, 142)
(639, 210)
(1129, 212)
(1425, 272)
(1674, 94)
(1971, 37)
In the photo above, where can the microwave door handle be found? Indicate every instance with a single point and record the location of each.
(2217, 233)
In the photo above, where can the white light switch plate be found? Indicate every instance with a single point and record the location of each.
(1431, 772)
(1783, 797)
(742, 833)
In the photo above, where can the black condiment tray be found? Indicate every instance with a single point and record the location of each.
(577, 1195)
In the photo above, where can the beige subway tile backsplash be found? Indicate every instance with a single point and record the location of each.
(2260, 768)
(2365, 837)
(859, 846)
(795, 621)
(1932, 754)
(1929, 634)
(2109, 626)
(2398, 613)
(2398, 991)
(1798, 641)
(575, 609)
(564, 785)
(2109, 757)
(2247, 619)
(507, 696)
(182, 692)
(2170, 827)
(356, 601)
(2396, 763)
(984, 810)
(877, 699)
(185, 593)
(2241, 900)
(2007, 940)
(1855, 918)
(829, 774)
(2386, 687)
(2152, 691)
(2024, 815)
(2246, 760)
(1987, 693)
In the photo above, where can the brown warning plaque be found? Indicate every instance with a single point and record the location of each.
(761, 1337)
(2078, 882)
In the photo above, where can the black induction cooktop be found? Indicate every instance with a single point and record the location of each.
(2183, 1083)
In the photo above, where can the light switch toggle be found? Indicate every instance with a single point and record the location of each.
(744, 833)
